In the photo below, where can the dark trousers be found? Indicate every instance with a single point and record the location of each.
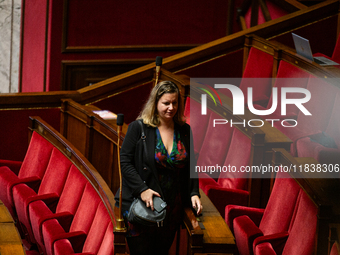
(156, 242)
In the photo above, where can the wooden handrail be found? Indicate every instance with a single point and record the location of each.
(297, 4)
(175, 63)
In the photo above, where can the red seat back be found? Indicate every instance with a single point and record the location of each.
(85, 214)
(216, 143)
(238, 156)
(280, 207)
(199, 124)
(301, 239)
(36, 158)
(97, 237)
(336, 51)
(289, 75)
(56, 174)
(261, 87)
(274, 10)
(72, 192)
(335, 249)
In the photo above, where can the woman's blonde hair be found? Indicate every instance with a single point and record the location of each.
(149, 113)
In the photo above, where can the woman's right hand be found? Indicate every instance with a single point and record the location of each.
(147, 197)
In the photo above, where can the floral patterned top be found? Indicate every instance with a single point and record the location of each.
(169, 165)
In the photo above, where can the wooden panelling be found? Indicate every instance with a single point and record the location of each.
(80, 74)
(95, 138)
(109, 26)
(193, 57)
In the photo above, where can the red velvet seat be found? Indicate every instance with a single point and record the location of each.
(261, 87)
(320, 106)
(80, 227)
(288, 75)
(336, 51)
(31, 172)
(250, 223)
(335, 249)
(212, 146)
(230, 188)
(301, 233)
(274, 10)
(67, 206)
(199, 124)
(99, 239)
(49, 191)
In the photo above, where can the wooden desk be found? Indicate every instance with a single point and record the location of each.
(10, 241)
(208, 233)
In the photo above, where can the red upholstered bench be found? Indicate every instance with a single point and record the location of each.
(66, 208)
(317, 136)
(289, 215)
(314, 136)
(211, 149)
(49, 191)
(250, 223)
(31, 171)
(301, 232)
(226, 146)
(288, 75)
(87, 229)
(72, 211)
(230, 188)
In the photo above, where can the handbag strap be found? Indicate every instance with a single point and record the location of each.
(143, 137)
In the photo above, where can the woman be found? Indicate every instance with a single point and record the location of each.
(168, 140)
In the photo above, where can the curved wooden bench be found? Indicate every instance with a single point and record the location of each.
(72, 209)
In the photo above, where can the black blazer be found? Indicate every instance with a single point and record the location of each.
(139, 173)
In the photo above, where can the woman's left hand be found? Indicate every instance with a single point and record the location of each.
(196, 204)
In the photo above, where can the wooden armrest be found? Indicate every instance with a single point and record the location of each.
(193, 227)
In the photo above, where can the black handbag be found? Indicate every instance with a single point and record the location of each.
(139, 213)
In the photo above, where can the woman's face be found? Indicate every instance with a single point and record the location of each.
(167, 106)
